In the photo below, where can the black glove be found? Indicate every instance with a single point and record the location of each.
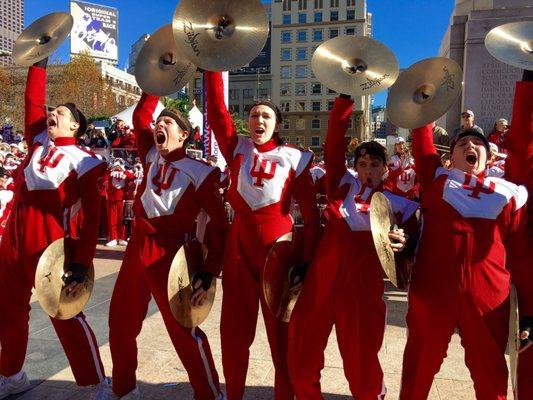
(297, 273)
(526, 324)
(345, 96)
(204, 276)
(79, 274)
(527, 76)
(42, 63)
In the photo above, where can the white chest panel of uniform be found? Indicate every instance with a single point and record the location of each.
(166, 182)
(262, 176)
(5, 197)
(49, 165)
(317, 173)
(406, 180)
(118, 179)
(478, 197)
(355, 208)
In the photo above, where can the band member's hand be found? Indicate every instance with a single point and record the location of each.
(75, 278)
(398, 239)
(42, 63)
(297, 275)
(201, 282)
(526, 333)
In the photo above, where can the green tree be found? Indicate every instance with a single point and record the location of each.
(183, 104)
(241, 126)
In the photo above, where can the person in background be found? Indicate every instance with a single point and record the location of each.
(467, 122)
(499, 134)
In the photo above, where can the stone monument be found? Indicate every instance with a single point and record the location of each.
(489, 84)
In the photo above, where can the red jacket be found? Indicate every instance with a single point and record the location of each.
(118, 181)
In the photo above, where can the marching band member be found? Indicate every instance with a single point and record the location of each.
(265, 175)
(55, 176)
(474, 234)
(402, 176)
(344, 285)
(117, 181)
(174, 189)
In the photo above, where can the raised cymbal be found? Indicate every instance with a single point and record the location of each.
(380, 224)
(512, 44)
(42, 38)
(179, 288)
(424, 92)
(49, 284)
(161, 68)
(355, 65)
(220, 35)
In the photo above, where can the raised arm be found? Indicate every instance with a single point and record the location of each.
(34, 103)
(218, 116)
(142, 124)
(335, 148)
(426, 157)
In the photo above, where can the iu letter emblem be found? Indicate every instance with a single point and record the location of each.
(163, 180)
(479, 187)
(266, 169)
(50, 160)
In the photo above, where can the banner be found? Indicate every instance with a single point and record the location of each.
(95, 30)
(210, 143)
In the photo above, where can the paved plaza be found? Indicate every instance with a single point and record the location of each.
(161, 375)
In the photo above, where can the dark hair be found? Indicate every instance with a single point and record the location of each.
(275, 108)
(372, 148)
(78, 117)
(4, 173)
(182, 122)
(470, 132)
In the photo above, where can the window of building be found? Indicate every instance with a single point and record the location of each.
(285, 106)
(315, 140)
(301, 71)
(299, 141)
(300, 124)
(350, 14)
(330, 104)
(319, 4)
(300, 106)
(333, 33)
(233, 94)
(350, 123)
(351, 31)
(302, 35)
(286, 124)
(286, 54)
(262, 93)
(333, 3)
(334, 16)
(300, 89)
(350, 3)
(286, 36)
(247, 93)
(234, 109)
(287, 5)
(316, 88)
(301, 53)
(318, 16)
(197, 83)
(285, 71)
(316, 106)
(302, 5)
(285, 89)
(286, 19)
(315, 124)
(302, 18)
(318, 35)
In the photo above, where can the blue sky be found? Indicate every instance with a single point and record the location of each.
(413, 29)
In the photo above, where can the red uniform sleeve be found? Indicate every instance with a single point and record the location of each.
(334, 147)
(217, 228)
(90, 206)
(426, 157)
(142, 124)
(305, 195)
(218, 116)
(34, 104)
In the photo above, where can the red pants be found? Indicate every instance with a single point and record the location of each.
(115, 214)
(343, 287)
(144, 273)
(20, 249)
(431, 323)
(244, 260)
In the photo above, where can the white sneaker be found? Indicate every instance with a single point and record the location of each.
(111, 243)
(135, 394)
(9, 386)
(103, 391)
(122, 242)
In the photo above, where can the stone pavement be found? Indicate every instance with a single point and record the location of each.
(161, 375)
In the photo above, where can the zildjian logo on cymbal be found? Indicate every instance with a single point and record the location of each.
(180, 289)
(370, 83)
(448, 80)
(180, 74)
(191, 37)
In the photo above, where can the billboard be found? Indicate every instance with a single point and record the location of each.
(95, 30)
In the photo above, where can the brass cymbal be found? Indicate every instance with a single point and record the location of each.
(380, 224)
(424, 92)
(42, 38)
(514, 336)
(355, 65)
(49, 285)
(276, 286)
(512, 44)
(161, 68)
(220, 35)
(179, 289)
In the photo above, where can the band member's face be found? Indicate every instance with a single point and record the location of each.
(168, 136)
(370, 170)
(399, 148)
(467, 120)
(470, 155)
(501, 126)
(3, 180)
(262, 124)
(61, 123)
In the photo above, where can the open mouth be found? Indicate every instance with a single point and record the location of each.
(259, 131)
(471, 159)
(368, 181)
(51, 122)
(160, 138)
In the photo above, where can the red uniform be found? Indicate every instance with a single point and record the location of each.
(118, 183)
(174, 189)
(402, 176)
(56, 176)
(344, 285)
(473, 233)
(264, 178)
